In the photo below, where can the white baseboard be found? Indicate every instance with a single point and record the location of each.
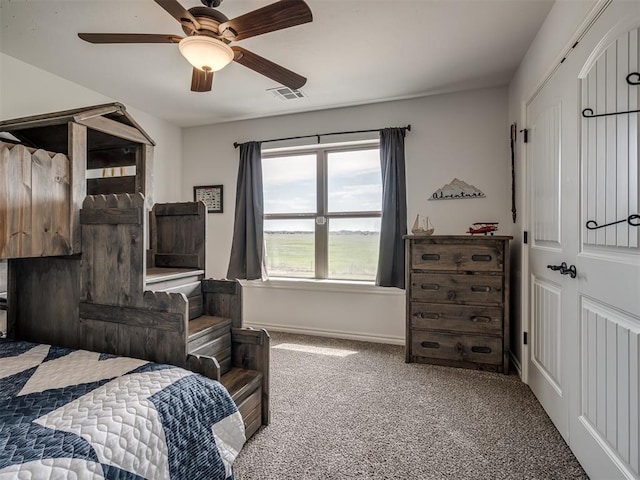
(318, 332)
(516, 364)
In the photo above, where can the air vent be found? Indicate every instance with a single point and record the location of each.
(285, 93)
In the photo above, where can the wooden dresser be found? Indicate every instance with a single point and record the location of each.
(458, 301)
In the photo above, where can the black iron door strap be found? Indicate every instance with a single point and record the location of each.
(633, 220)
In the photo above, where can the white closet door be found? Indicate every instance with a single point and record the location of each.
(605, 423)
(583, 170)
(584, 360)
(547, 122)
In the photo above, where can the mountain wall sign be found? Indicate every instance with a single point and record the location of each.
(457, 189)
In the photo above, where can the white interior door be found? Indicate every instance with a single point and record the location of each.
(584, 363)
(605, 409)
(553, 203)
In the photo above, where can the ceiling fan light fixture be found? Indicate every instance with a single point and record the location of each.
(206, 53)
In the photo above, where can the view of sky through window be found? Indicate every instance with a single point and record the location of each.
(354, 181)
(289, 186)
(354, 185)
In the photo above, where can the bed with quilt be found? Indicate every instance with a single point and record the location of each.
(74, 414)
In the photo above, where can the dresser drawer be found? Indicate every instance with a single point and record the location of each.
(461, 348)
(457, 318)
(457, 288)
(472, 256)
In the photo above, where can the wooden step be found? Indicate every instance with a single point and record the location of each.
(219, 347)
(207, 325)
(245, 387)
(160, 279)
(211, 336)
(241, 383)
(191, 289)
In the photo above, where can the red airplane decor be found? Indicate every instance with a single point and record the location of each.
(483, 227)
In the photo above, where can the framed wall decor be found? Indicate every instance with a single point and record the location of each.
(457, 189)
(211, 195)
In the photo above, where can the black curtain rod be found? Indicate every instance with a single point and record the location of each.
(318, 135)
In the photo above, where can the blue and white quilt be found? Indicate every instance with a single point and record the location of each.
(74, 414)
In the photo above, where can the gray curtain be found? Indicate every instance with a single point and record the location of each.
(394, 209)
(247, 249)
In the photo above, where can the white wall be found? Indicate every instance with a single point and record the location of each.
(461, 135)
(545, 52)
(27, 90)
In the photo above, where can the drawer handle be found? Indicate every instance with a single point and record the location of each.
(430, 286)
(480, 319)
(451, 295)
(429, 315)
(430, 344)
(480, 288)
(481, 258)
(434, 257)
(475, 349)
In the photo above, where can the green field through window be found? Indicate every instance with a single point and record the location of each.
(352, 255)
(290, 254)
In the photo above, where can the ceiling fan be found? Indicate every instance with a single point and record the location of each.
(209, 33)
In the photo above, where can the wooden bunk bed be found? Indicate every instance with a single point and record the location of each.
(80, 274)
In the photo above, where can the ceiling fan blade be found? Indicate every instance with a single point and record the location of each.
(268, 68)
(201, 81)
(178, 12)
(129, 38)
(279, 15)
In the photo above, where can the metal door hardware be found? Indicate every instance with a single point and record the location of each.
(564, 270)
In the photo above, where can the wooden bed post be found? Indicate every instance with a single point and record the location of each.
(144, 163)
(223, 298)
(77, 183)
(251, 350)
(113, 249)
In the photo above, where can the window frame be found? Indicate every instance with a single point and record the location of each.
(322, 216)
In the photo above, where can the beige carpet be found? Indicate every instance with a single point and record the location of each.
(345, 409)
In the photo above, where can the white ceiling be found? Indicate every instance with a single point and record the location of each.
(354, 52)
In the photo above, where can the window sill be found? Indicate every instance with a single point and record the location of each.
(334, 286)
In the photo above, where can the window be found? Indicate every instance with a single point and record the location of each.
(322, 212)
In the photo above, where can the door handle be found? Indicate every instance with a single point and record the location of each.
(564, 270)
